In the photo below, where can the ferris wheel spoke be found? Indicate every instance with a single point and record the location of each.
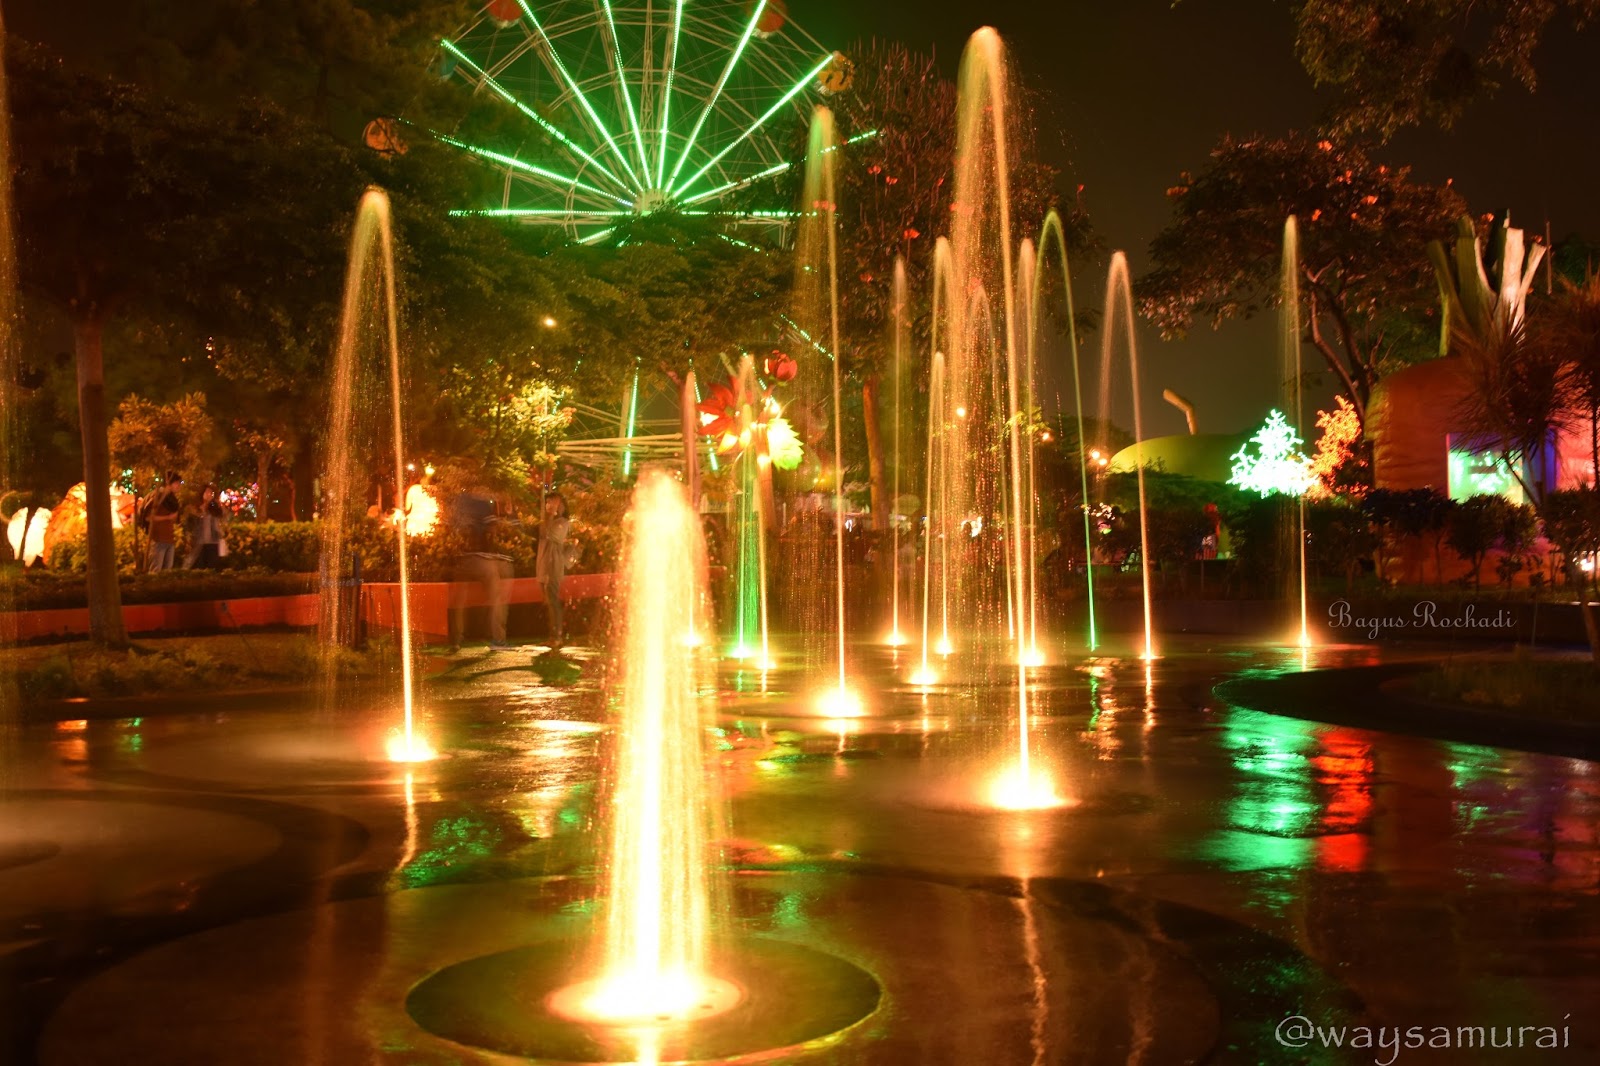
(560, 180)
(794, 91)
(619, 71)
(666, 94)
(499, 90)
(553, 61)
(716, 92)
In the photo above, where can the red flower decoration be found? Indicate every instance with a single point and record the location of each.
(779, 365)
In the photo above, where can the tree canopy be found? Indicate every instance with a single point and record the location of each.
(1399, 63)
(1369, 298)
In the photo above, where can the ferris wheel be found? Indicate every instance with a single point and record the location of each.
(639, 106)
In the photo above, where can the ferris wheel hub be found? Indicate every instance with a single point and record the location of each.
(651, 200)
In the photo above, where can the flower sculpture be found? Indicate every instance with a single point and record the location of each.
(737, 421)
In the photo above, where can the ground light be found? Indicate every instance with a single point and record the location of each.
(645, 998)
(839, 702)
(1021, 788)
(923, 676)
(410, 746)
(1032, 658)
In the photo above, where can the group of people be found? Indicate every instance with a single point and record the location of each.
(205, 520)
(479, 564)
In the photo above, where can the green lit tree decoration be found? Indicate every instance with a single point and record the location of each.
(675, 105)
(1277, 464)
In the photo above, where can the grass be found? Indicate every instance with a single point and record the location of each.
(1536, 685)
(162, 665)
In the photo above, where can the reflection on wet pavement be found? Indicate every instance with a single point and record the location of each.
(1214, 870)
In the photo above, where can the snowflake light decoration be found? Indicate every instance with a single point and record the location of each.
(1277, 465)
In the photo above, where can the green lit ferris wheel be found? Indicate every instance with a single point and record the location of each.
(639, 106)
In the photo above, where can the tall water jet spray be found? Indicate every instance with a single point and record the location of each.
(368, 320)
(656, 893)
(1289, 351)
(900, 323)
(982, 259)
(818, 259)
(1119, 292)
(1052, 234)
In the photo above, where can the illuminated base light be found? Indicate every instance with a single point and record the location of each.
(646, 999)
(741, 653)
(1149, 655)
(413, 748)
(839, 703)
(924, 677)
(693, 640)
(944, 647)
(895, 639)
(1303, 639)
(1032, 658)
(1015, 790)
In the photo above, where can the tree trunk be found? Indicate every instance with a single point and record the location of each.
(105, 598)
(263, 463)
(881, 504)
(1591, 629)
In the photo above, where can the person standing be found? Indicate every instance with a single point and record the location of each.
(474, 515)
(553, 561)
(209, 531)
(161, 521)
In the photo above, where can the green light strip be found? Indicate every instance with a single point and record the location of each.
(561, 68)
(716, 93)
(778, 168)
(798, 88)
(666, 95)
(627, 97)
(633, 414)
(512, 161)
(593, 237)
(526, 212)
(539, 120)
(741, 183)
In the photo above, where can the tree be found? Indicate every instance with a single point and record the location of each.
(152, 439)
(1568, 328)
(894, 186)
(1367, 295)
(1474, 528)
(1399, 63)
(267, 444)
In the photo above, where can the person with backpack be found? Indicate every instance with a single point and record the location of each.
(159, 518)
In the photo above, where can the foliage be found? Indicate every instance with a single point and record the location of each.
(1399, 63)
(1338, 463)
(1477, 526)
(1338, 538)
(1396, 513)
(1571, 521)
(1526, 681)
(1514, 398)
(1366, 292)
(1567, 332)
(151, 439)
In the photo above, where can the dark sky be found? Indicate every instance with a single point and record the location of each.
(1143, 90)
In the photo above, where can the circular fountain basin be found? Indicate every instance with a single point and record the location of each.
(765, 995)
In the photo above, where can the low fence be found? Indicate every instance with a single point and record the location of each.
(380, 608)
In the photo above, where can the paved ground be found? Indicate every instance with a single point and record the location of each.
(260, 887)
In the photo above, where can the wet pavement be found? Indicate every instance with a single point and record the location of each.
(259, 886)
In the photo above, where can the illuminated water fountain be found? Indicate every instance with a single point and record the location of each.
(988, 379)
(1119, 294)
(658, 978)
(657, 895)
(1052, 236)
(369, 346)
(817, 258)
(1289, 347)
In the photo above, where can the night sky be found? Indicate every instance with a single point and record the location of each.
(1142, 90)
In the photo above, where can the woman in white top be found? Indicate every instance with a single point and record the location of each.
(551, 566)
